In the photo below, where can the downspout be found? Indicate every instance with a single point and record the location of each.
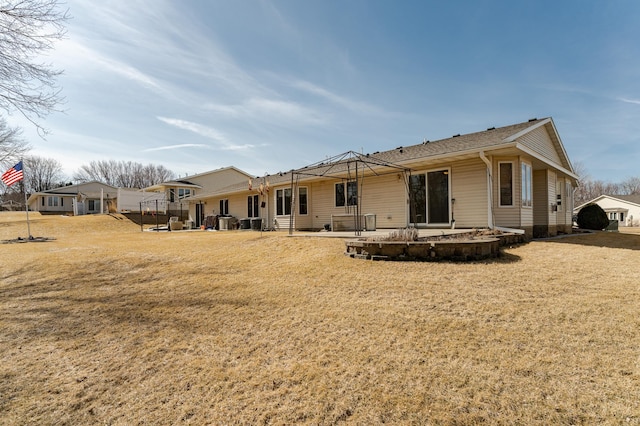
(490, 215)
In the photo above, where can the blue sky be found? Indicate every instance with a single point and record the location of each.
(266, 86)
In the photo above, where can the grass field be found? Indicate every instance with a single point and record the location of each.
(110, 325)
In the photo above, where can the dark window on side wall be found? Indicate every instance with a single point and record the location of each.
(506, 184)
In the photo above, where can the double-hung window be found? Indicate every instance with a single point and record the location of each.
(527, 185)
(505, 183)
(346, 193)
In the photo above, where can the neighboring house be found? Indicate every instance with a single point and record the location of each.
(517, 176)
(623, 208)
(137, 200)
(178, 191)
(84, 198)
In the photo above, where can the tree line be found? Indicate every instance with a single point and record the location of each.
(589, 188)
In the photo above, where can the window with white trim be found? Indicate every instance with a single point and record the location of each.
(283, 201)
(53, 201)
(185, 192)
(303, 201)
(527, 185)
(346, 192)
(505, 183)
(224, 206)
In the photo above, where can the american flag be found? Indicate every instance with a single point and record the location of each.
(13, 175)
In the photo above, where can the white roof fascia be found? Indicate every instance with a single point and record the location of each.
(470, 152)
(217, 171)
(546, 161)
(618, 199)
(557, 135)
(527, 130)
(564, 152)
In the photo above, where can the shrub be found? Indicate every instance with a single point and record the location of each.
(405, 234)
(592, 216)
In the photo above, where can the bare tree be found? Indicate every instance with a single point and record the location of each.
(42, 173)
(12, 146)
(590, 189)
(28, 29)
(630, 186)
(123, 174)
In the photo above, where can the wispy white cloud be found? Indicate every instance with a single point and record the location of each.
(244, 147)
(630, 101)
(169, 147)
(204, 131)
(270, 111)
(199, 129)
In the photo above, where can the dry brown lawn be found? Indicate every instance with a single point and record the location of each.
(111, 325)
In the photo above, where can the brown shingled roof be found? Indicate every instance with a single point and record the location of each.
(635, 198)
(471, 141)
(394, 158)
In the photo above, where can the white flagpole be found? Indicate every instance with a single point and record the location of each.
(26, 205)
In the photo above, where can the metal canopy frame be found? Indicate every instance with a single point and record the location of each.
(349, 166)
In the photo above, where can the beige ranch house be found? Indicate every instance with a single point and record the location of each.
(516, 176)
(623, 208)
(84, 198)
(177, 192)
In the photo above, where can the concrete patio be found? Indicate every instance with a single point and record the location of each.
(379, 233)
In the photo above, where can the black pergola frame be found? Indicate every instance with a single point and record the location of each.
(339, 165)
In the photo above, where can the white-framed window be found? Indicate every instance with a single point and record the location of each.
(283, 201)
(505, 183)
(54, 201)
(185, 192)
(346, 193)
(224, 206)
(94, 205)
(527, 185)
(303, 201)
(253, 209)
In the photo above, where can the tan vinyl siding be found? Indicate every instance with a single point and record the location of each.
(540, 142)
(567, 201)
(526, 217)
(282, 222)
(220, 179)
(385, 196)
(469, 188)
(321, 203)
(304, 221)
(541, 208)
(508, 216)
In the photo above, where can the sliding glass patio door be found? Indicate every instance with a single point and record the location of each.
(429, 198)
